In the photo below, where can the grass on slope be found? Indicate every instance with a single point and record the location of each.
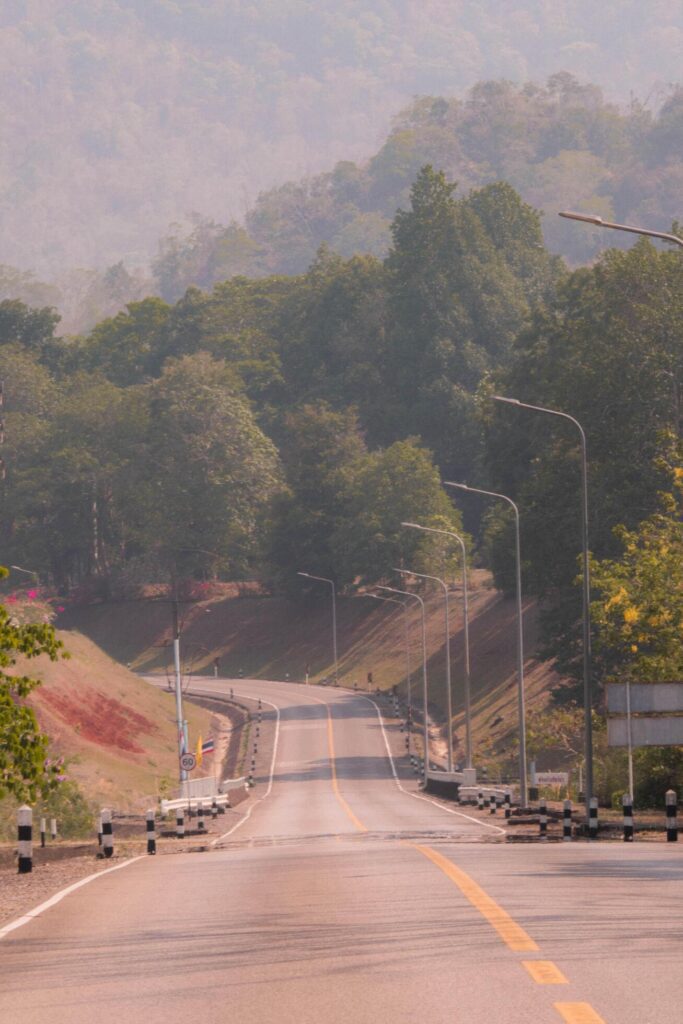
(117, 732)
(273, 638)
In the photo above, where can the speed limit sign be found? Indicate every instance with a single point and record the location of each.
(188, 762)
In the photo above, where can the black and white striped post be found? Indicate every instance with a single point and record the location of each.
(201, 825)
(671, 810)
(99, 830)
(25, 839)
(214, 809)
(43, 825)
(151, 832)
(53, 829)
(567, 821)
(593, 818)
(627, 802)
(492, 803)
(542, 819)
(180, 823)
(107, 833)
(480, 801)
(507, 804)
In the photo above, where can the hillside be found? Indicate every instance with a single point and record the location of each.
(275, 638)
(128, 115)
(117, 733)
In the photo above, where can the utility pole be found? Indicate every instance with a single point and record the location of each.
(182, 725)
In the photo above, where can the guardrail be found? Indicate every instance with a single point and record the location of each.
(192, 802)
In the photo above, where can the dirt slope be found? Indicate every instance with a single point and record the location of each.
(274, 638)
(117, 732)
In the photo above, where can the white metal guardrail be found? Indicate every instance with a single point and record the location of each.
(192, 801)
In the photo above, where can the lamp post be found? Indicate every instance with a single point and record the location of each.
(425, 695)
(466, 629)
(404, 606)
(449, 704)
(523, 789)
(591, 218)
(324, 579)
(587, 692)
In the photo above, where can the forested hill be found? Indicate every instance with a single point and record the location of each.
(285, 423)
(122, 116)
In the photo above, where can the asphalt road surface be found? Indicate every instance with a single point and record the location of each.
(340, 894)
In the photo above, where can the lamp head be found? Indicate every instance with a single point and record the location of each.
(587, 218)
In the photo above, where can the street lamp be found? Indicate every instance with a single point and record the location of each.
(587, 694)
(468, 703)
(323, 579)
(449, 706)
(404, 606)
(590, 218)
(425, 700)
(523, 791)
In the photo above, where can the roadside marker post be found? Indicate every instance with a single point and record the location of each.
(25, 839)
(507, 802)
(567, 821)
(492, 803)
(627, 802)
(43, 825)
(593, 818)
(151, 833)
(214, 809)
(53, 829)
(99, 830)
(480, 801)
(671, 810)
(542, 818)
(200, 817)
(107, 833)
(180, 823)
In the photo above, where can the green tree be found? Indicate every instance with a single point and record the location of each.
(23, 748)
(386, 488)
(638, 611)
(320, 448)
(212, 470)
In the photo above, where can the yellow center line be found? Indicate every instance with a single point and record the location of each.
(335, 786)
(578, 1013)
(512, 934)
(545, 972)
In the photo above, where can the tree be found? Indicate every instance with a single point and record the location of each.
(320, 449)
(23, 748)
(638, 611)
(607, 351)
(386, 488)
(212, 469)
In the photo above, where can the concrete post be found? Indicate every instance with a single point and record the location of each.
(25, 839)
(107, 833)
(671, 810)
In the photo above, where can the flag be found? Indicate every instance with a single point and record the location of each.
(207, 747)
(199, 752)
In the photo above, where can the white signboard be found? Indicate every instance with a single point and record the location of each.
(645, 698)
(552, 778)
(649, 731)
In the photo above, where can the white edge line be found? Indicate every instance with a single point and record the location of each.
(247, 696)
(353, 693)
(59, 896)
(418, 796)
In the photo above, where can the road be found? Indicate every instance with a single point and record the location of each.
(347, 896)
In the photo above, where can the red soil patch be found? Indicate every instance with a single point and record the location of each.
(101, 720)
